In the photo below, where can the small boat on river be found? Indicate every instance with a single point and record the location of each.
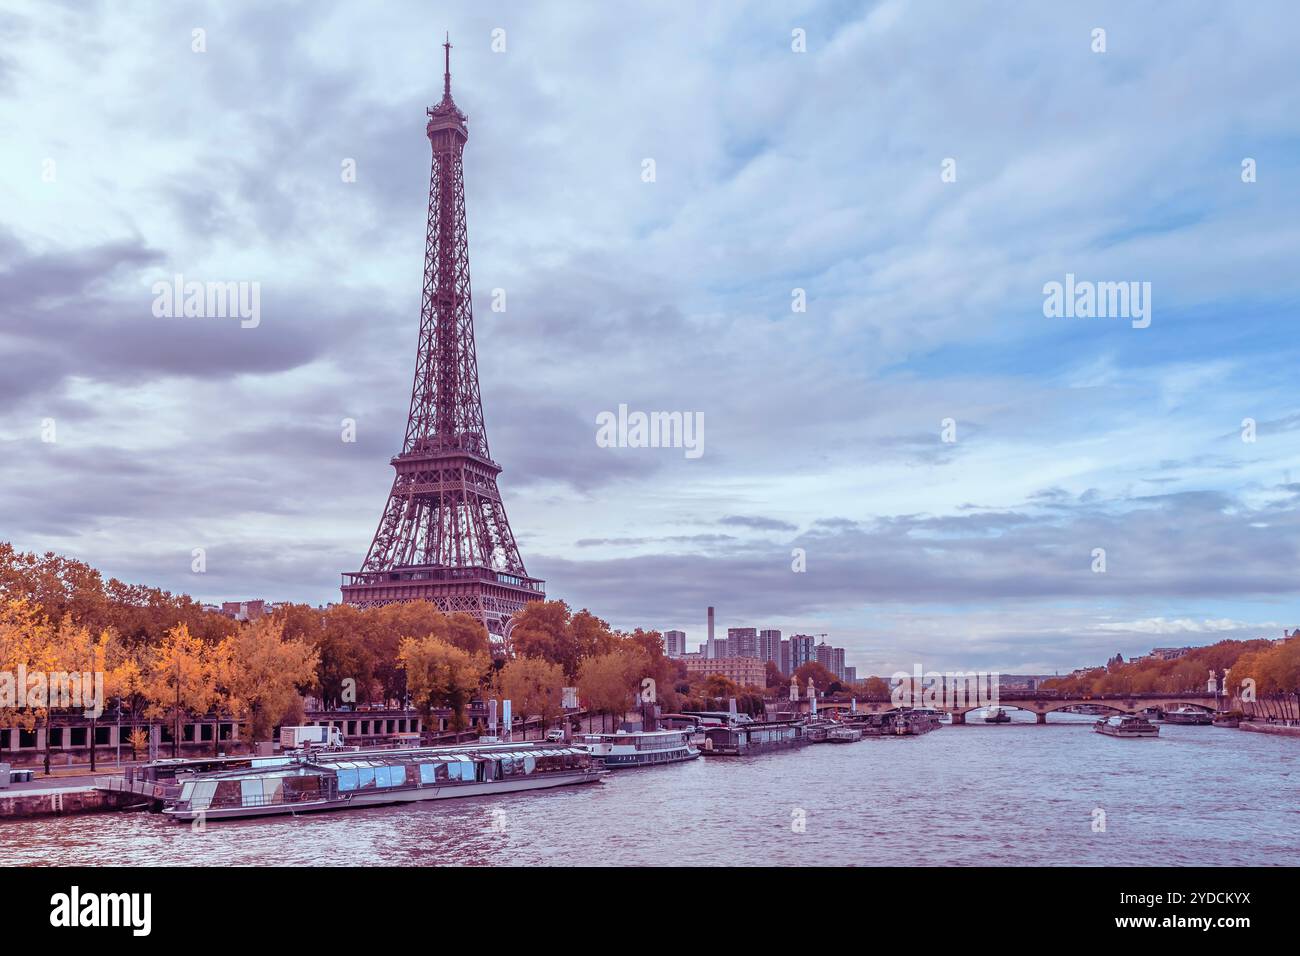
(1189, 715)
(640, 748)
(996, 715)
(1126, 725)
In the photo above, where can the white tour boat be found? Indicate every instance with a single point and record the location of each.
(640, 748)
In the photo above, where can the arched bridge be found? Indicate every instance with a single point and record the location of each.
(1041, 704)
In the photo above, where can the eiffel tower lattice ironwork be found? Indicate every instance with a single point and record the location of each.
(444, 536)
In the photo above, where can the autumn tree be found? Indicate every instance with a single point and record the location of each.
(542, 629)
(64, 588)
(591, 635)
(346, 671)
(535, 686)
(181, 679)
(263, 675)
(822, 676)
(608, 682)
(299, 622)
(84, 655)
(27, 642)
(719, 687)
(439, 674)
(875, 688)
(137, 740)
(359, 647)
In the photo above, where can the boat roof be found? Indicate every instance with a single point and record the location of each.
(329, 763)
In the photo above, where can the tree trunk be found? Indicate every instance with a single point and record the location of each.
(93, 728)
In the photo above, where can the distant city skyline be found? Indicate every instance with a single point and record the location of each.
(830, 495)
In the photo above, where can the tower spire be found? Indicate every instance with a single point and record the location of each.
(446, 75)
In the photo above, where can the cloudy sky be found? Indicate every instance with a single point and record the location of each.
(127, 157)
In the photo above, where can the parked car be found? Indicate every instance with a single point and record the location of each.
(554, 735)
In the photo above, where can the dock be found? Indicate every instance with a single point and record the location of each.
(102, 795)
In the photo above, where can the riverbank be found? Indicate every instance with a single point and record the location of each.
(59, 795)
(1281, 730)
(57, 802)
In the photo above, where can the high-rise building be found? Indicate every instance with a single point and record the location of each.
(850, 674)
(801, 651)
(674, 643)
(825, 656)
(742, 642)
(709, 650)
(769, 644)
(784, 659)
(837, 662)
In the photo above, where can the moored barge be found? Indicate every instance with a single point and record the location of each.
(312, 782)
(754, 738)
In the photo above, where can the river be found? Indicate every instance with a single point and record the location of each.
(1011, 794)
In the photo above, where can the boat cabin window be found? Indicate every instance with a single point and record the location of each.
(202, 796)
(431, 773)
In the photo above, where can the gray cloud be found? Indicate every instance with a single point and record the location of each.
(775, 172)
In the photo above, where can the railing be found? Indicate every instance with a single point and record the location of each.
(262, 800)
(356, 578)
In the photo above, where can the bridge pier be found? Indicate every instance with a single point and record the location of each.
(1042, 718)
(958, 717)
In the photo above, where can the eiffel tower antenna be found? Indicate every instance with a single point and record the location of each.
(444, 536)
(446, 75)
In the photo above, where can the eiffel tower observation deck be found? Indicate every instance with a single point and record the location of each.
(444, 536)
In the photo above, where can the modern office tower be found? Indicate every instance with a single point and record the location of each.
(674, 643)
(825, 656)
(801, 651)
(783, 661)
(837, 662)
(850, 674)
(769, 644)
(708, 646)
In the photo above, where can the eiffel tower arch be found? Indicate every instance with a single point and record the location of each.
(443, 535)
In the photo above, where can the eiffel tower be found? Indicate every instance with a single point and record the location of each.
(444, 536)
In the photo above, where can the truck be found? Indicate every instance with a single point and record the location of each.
(297, 738)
